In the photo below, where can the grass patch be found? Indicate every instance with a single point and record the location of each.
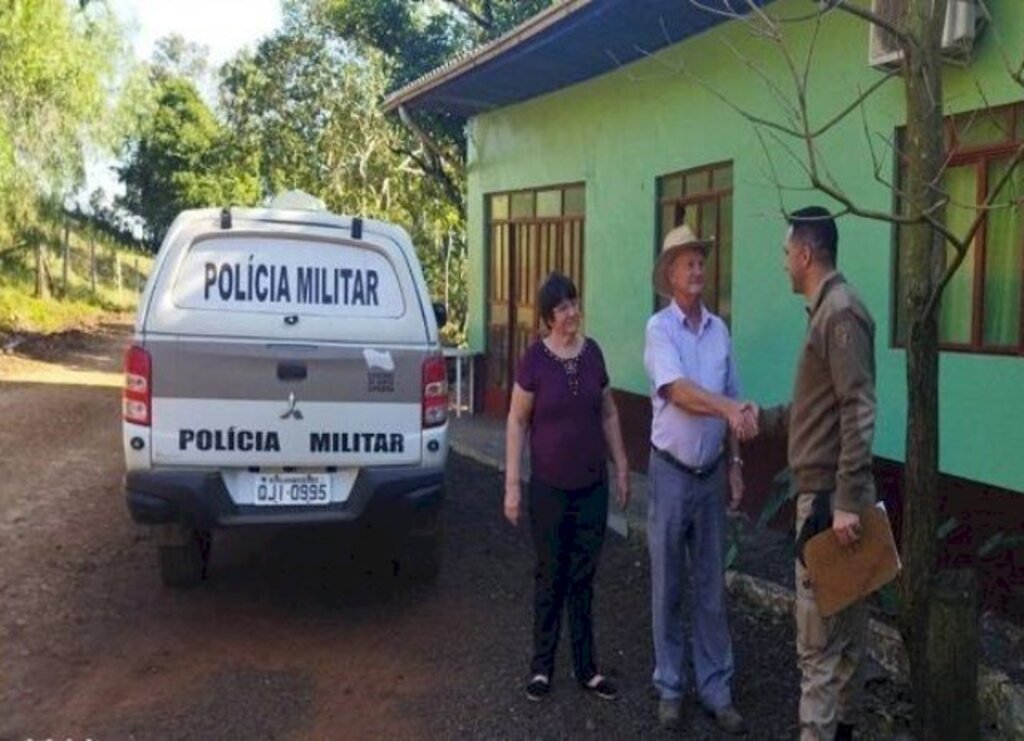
(102, 280)
(20, 312)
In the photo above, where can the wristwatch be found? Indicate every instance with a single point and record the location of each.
(736, 461)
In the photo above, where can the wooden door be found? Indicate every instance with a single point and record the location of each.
(523, 250)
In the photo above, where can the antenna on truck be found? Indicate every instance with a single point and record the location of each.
(225, 218)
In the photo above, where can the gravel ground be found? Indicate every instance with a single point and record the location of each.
(302, 633)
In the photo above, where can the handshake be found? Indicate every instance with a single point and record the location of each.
(742, 418)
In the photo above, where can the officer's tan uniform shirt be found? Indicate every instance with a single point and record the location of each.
(830, 422)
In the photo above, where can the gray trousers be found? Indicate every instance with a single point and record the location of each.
(829, 652)
(686, 539)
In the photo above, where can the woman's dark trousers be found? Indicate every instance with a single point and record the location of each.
(568, 531)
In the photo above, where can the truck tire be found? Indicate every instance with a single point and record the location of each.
(184, 564)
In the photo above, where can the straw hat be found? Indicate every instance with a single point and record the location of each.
(679, 239)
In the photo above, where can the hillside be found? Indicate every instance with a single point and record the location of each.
(100, 278)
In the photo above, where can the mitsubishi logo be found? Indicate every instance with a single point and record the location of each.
(293, 411)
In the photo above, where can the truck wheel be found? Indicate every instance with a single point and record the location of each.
(184, 564)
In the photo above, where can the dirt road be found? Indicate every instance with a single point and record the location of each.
(295, 634)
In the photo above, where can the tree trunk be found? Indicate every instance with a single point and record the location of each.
(922, 260)
(953, 656)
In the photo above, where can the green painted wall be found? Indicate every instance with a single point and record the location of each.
(619, 132)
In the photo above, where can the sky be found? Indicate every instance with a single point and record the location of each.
(223, 26)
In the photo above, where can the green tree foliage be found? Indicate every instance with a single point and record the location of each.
(59, 61)
(417, 36)
(407, 39)
(180, 157)
(306, 107)
(176, 55)
(303, 111)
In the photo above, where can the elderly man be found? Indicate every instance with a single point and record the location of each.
(694, 391)
(829, 426)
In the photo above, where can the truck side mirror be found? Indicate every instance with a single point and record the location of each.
(441, 314)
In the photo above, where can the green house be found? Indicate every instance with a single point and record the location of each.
(597, 125)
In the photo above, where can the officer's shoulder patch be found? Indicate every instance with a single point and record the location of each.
(841, 334)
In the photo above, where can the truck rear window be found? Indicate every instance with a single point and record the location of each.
(272, 275)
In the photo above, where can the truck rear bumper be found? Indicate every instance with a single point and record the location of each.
(201, 500)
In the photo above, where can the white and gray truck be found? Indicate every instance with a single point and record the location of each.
(285, 369)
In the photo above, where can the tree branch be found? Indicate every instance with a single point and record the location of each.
(435, 161)
(858, 101)
(486, 24)
(844, 5)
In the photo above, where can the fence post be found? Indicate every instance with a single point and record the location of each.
(42, 289)
(67, 251)
(117, 273)
(92, 261)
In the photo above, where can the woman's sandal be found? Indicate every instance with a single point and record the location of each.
(538, 688)
(600, 686)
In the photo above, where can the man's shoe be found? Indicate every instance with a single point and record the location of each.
(670, 714)
(844, 732)
(729, 720)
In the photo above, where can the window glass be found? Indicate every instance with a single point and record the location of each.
(522, 205)
(575, 202)
(955, 311)
(696, 182)
(983, 128)
(672, 186)
(549, 203)
(1003, 238)
(499, 208)
(722, 178)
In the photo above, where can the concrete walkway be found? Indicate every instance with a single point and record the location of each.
(483, 439)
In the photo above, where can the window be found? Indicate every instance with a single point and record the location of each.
(982, 308)
(702, 198)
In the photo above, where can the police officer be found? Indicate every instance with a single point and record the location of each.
(830, 425)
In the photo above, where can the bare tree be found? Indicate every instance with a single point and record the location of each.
(917, 30)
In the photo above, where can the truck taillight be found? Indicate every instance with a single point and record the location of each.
(138, 392)
(435, 391)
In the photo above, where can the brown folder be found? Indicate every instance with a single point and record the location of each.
(841, 575)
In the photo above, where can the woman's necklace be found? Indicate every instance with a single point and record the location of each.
(571, 365)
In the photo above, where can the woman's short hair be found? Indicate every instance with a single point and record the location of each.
(555, 289)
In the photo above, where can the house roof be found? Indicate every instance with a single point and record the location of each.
(569, 42)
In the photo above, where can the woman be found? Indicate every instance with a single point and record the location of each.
(562, 397)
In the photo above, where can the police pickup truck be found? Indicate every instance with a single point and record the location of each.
(285, 369)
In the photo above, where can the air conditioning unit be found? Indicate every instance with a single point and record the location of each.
(963, 23)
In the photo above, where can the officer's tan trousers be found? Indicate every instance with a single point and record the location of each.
(829, 652)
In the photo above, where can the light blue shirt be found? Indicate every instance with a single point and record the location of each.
(672, 351)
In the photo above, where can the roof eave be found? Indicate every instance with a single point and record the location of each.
(524, 31)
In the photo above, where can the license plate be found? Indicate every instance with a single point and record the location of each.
(292, 489)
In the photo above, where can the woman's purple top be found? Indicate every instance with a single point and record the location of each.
(567, 445)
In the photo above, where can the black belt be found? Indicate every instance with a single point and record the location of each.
(700, 473)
